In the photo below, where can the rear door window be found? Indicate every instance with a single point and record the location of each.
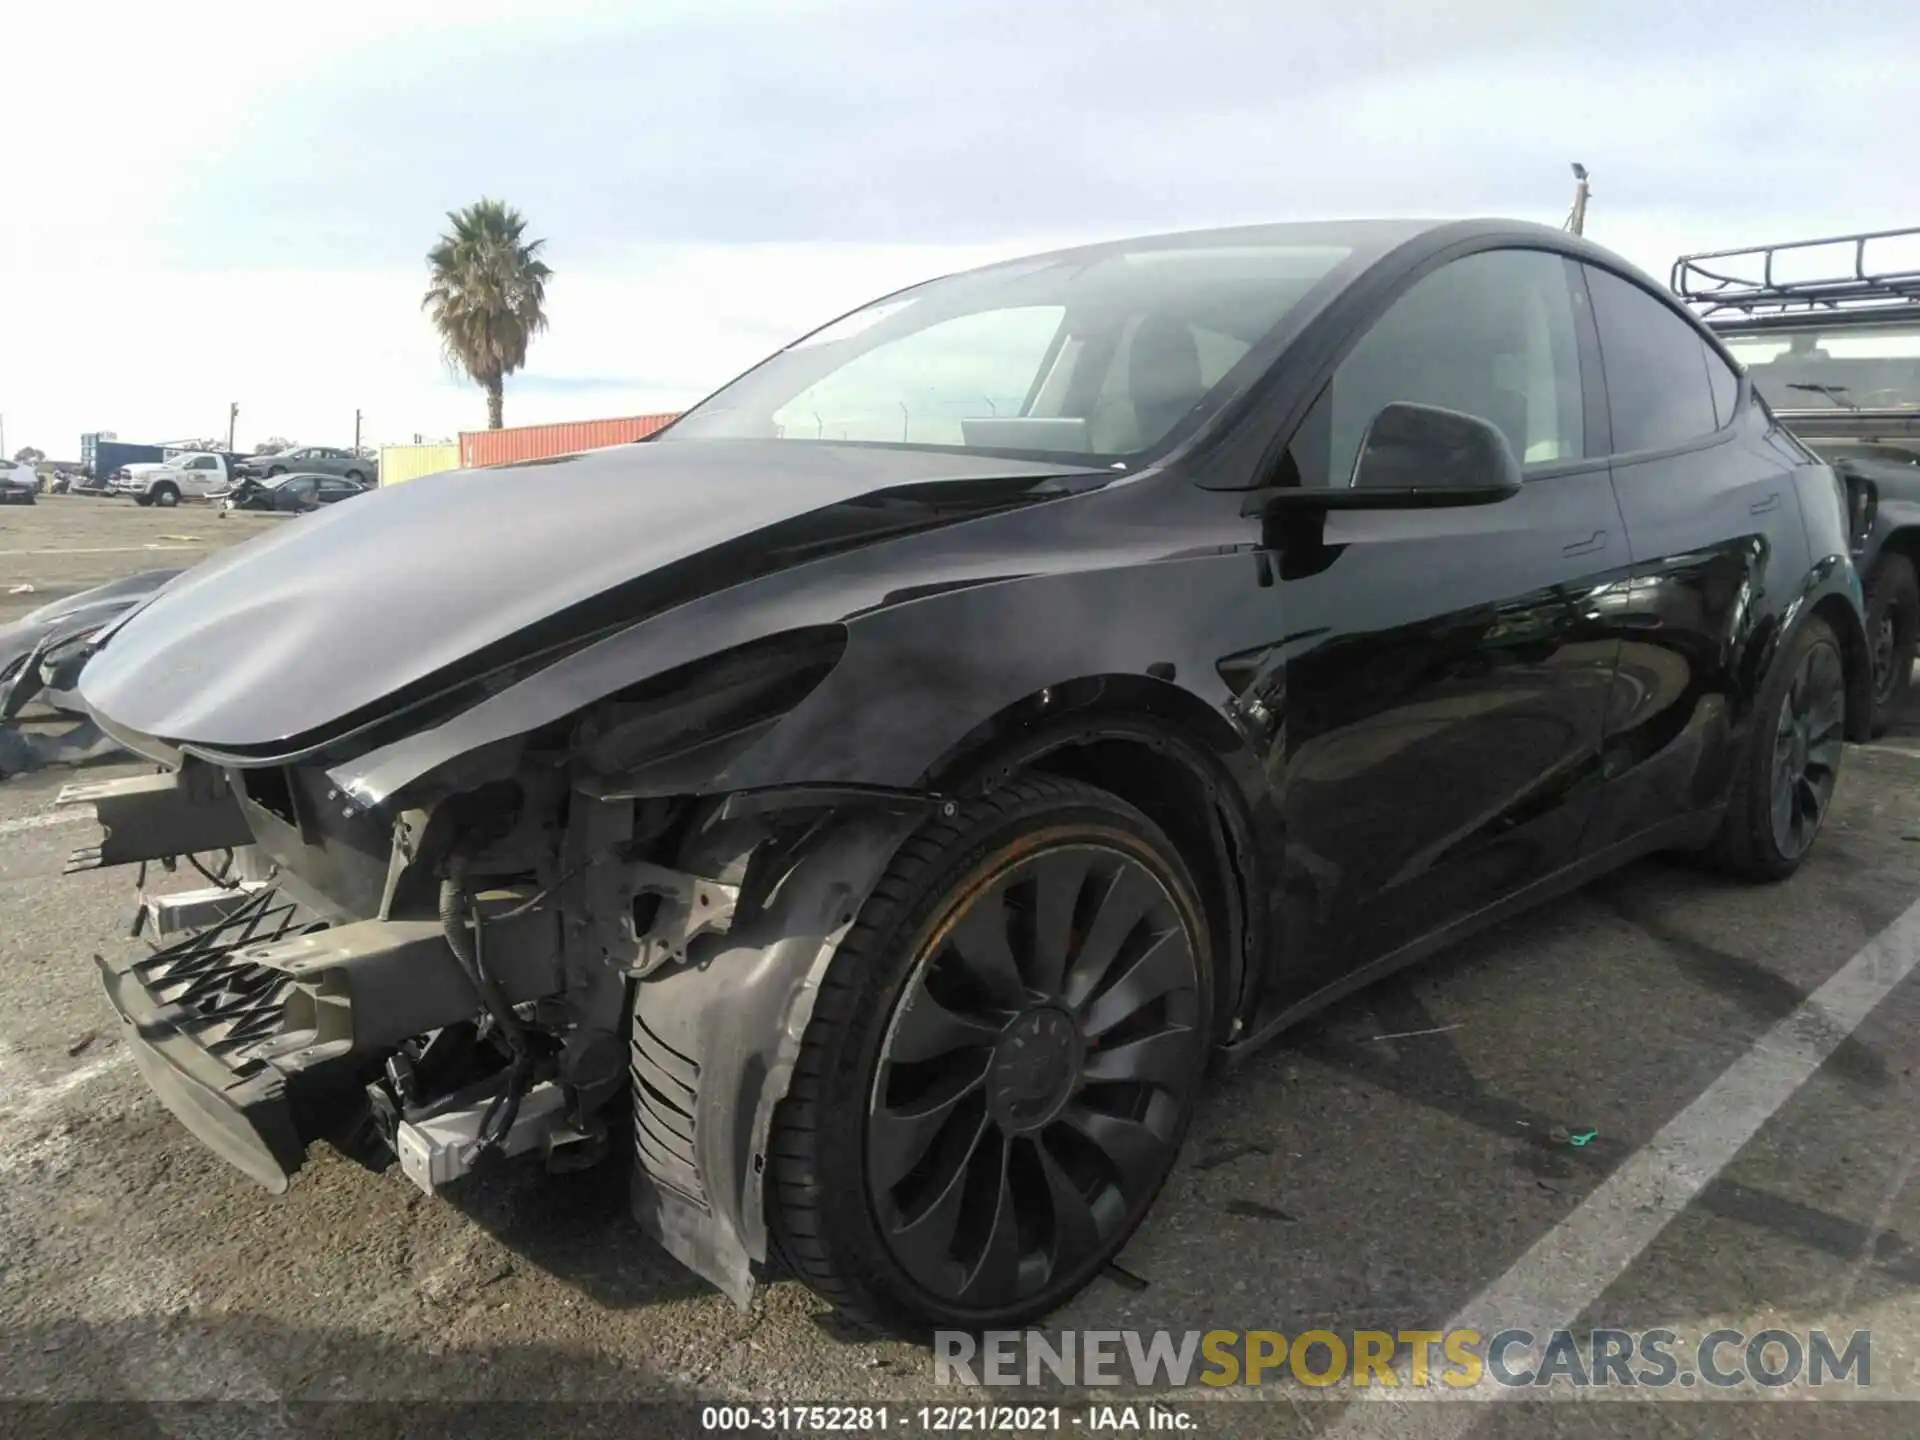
(1657, 385)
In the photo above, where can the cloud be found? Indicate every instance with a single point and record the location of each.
(713, 179)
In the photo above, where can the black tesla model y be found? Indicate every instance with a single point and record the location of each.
(876, 797)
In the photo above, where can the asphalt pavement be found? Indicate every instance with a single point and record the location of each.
(1737, 1062)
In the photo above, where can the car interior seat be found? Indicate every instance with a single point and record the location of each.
(1163, 376)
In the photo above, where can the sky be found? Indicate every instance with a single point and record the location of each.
(208, 202)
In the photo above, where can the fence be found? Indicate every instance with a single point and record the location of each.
(537, 442)
(410, 462)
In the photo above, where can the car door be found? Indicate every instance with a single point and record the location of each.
(1440, 690)
(199, 474)
(1719, 550)
(293, 493)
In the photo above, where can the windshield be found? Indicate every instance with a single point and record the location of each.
(1093, 356)
(1834, 368)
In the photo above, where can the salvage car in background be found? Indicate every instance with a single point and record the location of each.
(901, 775)
(313, 460)
(19, 484)
(289, 494)
(1836, 353)
(40, 653)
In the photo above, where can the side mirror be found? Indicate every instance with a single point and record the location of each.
(1416, 457)
(1423, 455)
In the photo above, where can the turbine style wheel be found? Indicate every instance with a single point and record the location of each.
(1001, 1065)
(1790, 760)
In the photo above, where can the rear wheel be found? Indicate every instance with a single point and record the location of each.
(1893, 629)
(1000, 1067)
(1787, 768)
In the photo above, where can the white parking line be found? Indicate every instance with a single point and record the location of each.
(71, 816)
(27, 1100)
(126, 1290)
(1573, 1264)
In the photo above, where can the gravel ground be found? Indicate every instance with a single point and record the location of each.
(1338, 1180)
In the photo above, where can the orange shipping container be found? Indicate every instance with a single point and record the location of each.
(537, 442)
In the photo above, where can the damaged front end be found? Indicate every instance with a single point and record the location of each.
(538, 943)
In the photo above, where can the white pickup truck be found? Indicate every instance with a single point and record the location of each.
(190, 476)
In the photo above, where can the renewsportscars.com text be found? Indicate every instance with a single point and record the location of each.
(1418, 1359)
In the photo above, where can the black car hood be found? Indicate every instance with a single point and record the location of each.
(320, 624)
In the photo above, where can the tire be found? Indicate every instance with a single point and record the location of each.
(1086, 1081)
(273, 470)
(356, 477)
(166, 495)
(143, 500)
(1893, 632)
(1802, 706)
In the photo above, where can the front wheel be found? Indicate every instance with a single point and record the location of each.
(1787, 767)
(1000, 1067)
(1893, 630)
(166, 496)
(143, 500)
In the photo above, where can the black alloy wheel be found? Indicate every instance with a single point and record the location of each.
(1000, 1067)
(1032, 1084)
(1807, 740)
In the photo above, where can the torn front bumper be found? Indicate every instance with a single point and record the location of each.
(202, 1022)
(261, 1031)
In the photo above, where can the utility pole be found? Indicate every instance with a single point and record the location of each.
(356, 432)
(233, 418)
(1577, 217)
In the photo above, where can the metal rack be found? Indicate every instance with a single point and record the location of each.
(1740, 285)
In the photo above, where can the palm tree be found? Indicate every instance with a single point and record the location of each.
(486, 293)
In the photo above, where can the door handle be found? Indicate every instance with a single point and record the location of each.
(1761, 507)
(1595, 541)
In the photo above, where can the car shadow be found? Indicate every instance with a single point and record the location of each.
(576, 1227)
(246, 1375)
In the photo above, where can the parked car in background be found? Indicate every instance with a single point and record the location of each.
(1836, 354)
(312, 460)
(185, 477)
(892, 785)
(289, 493)
(19, 484)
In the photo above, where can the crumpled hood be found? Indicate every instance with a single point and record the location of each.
(331, 613)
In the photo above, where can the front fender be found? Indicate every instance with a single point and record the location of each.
(715, 1040)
